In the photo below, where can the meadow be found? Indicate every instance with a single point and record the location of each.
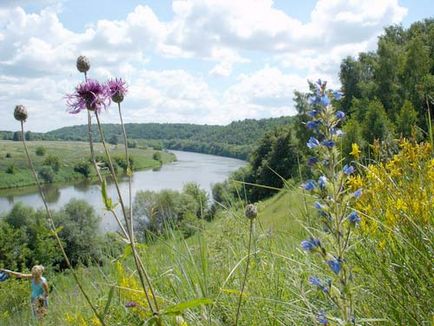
(64, 156)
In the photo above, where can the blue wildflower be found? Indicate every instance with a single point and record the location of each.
(312, 143)
(312, 113)
(309, 185)
(322, 181)
(357, 193)
(313, 100)
(348, 169)
(312, 161)
(340, 115)
(337, 95)
(315, 281)
(311, 244)
(313, 124)
(336, 131)
(328, 143)
(322, 319)
(325, 100)
(335, 265)
(318, 205)
(354, 218)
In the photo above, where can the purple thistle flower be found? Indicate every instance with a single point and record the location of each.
(357, 193)
(328, 143)
(89, 95)
(322, 181)
(131, 304)
(311, 244)
(335, 265)
(312, 143)
(321, 318)
(340, 115)
(118, 89)
(354, 218)
(348, 169)
(312, 161)
(309, 185)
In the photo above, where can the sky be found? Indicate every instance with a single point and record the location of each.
(184, 61)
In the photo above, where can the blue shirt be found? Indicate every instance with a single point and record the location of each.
(37, 289)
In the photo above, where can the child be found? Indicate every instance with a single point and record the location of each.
(39, 298)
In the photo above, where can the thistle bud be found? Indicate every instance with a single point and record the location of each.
(251, 212)
(20, 113)
(83, 64)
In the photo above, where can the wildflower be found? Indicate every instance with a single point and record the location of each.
(311, 244)
(89, 95)
(20, 113)
(313, 124)
(340, 115)
(322, 181)
(337, 95)
(354, 218)
(328, 143)
(357, 193)
(318, 205)
(336, 131)
(312, 142)
(309, 185)
(131, 304)
(335, 265)
(313, 113)
(312, 161)
(321, 318)
(251, 211)
(355, 151)
(118, 89)
(325, 100)
(315, 281)
(348, 169)
(83, 64)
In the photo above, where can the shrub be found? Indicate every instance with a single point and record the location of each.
(46, 173)
(83, 168)
(40, 150)
(157, 156)
(8, 155)
(11, 169)
(53, 161)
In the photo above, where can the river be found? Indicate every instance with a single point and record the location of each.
(202, 169)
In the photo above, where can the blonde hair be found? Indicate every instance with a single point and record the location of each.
(37, 270)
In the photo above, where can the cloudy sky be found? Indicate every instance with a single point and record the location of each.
(194, 61)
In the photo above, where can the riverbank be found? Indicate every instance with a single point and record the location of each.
(66, 162)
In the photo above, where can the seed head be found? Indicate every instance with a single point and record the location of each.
(83, 64)
(251, 211)
(20, 113)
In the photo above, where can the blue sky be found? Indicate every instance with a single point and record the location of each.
(194, 61)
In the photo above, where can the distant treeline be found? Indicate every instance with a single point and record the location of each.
(234, 140)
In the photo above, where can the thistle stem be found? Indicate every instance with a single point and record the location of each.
(53, 229)
(143, 275)
(240, 299)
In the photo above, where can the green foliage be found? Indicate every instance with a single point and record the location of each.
(52, 161)
(79, 230)
(376, 124)
(407, 120)
(40, 150)
(114, 140)
(8, 155)
(83, 168)
(46, 173)
(157, 156)
(11, 169)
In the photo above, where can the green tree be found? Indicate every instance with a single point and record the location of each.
(82, 168)
(376, 124)
(40, 151)
(46, 173)
(407, 120)
(52, 161)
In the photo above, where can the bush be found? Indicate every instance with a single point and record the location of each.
(53, 161)
(46, 173)
(40, 150)
(83, 168)
(11, 169)
(8, 155)
(157, 156)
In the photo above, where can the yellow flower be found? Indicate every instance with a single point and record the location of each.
(355, 151)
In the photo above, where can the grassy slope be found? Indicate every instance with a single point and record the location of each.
(69, 154)
(209, 264)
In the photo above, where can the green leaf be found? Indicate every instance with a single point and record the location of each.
(180, 307)
(109, 300)
(108, 203)
(57, 230)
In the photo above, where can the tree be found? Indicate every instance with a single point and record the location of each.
(199, 196)
(376, 124)
(46, 173)
(83, 168)
(52, 161)
(28, 135)
(406, 121)
(114, 140)
(40, 151)
(17, 136)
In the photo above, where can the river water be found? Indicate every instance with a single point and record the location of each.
(202, 169)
